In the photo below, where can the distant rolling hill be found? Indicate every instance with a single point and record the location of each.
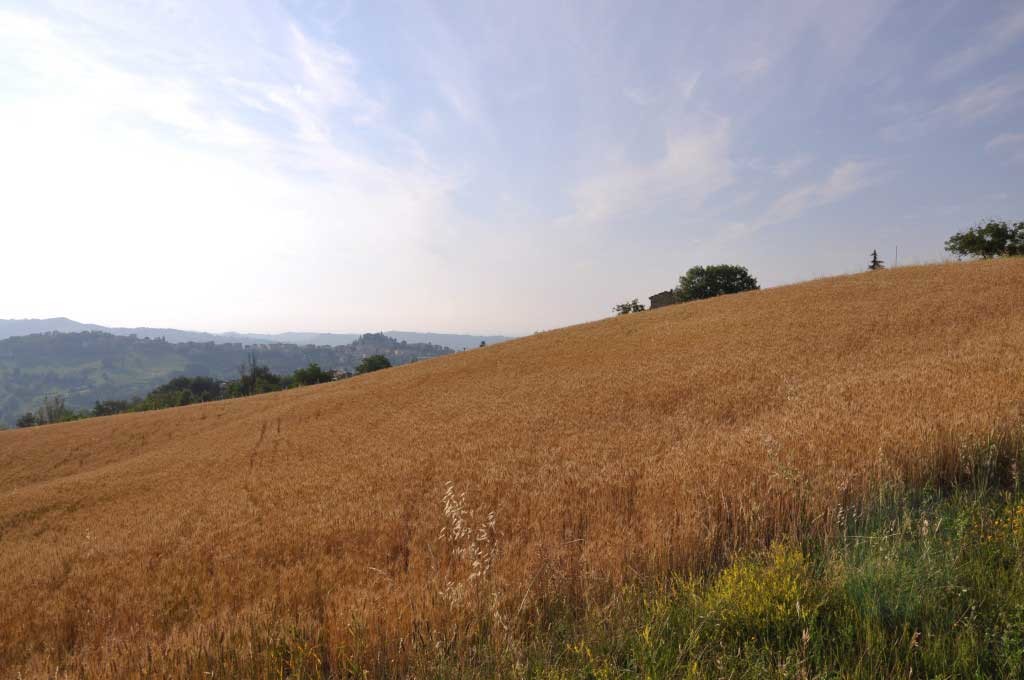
(468, 498)
(457, 341)
(18, 327)
(453, 340)
(91, 366)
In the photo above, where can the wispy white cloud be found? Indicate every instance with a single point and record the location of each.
(788, 167)
(845, 180)
(325, 84)
(1011, 143)
(752, 67)
(338, 151)
(1001, 34)
(681, 91)
(771, 31)
(446, 61)
(174, 167)
(779, 169)
(845, 28)
(1005, 140)
(638, 96)
(986, 100)
(694, 165)
(995, 97)
(688, 86)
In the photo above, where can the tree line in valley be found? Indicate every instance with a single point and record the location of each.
(253, 378)
(90, 367)
(985, 240)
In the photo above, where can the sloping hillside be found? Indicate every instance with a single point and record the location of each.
(608, 451)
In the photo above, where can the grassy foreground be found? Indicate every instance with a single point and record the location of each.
(927, 587)
(927, 582)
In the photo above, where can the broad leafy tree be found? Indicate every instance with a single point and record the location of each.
(27, 420)
(257, 379)
(992, 239)
(182, 391)
(54, 410)
(700, 283)
(372, 363)
(311, 375)
(110, 407)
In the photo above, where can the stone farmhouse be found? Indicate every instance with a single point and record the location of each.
(663, 299)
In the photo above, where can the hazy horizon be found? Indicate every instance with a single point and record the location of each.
(256, 333)
(499, 168)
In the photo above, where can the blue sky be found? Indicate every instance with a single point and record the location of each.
(488, 167)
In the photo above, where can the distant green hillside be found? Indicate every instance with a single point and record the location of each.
(14, 327)
(93, 366)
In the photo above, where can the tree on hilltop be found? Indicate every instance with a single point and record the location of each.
(254, 378)
(27, 420)
(992, 239)
(52, 410)
(700, 283)
(875, 263)
(110, 407)
(182, 391)
(311, 375)
(374, 362)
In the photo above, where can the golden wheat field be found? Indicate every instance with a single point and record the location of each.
(406, 506)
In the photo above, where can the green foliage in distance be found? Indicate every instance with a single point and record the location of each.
(311, 375)
(700, 283)
(629, 307)
(116, 371)
(52, 410)
(992, 239)
(27, 420)
(374, 362)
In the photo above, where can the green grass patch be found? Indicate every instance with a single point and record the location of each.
(929, 586)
